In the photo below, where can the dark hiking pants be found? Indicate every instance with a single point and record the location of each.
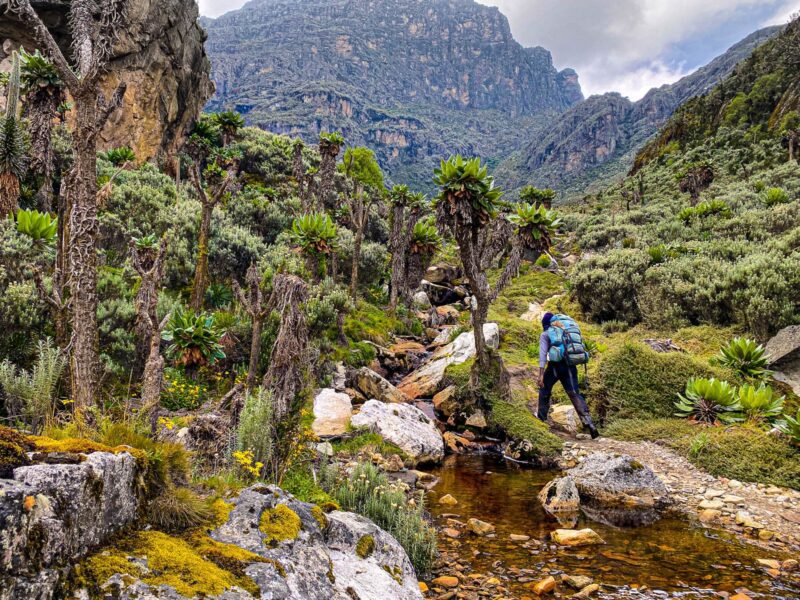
(568, 376)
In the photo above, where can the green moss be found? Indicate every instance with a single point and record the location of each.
(83, 446)
(221, 512)
(230, 557)
(370, 442)
(11, 457)
(299, 481)
(372, 323)
(365, 546)
(171, 561)
(396, 573)
(637, 382)
(320, 517)
(649, 430)
(279, 524)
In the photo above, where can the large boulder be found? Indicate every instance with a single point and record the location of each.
(560, 497)
(304, 554)
(160, 54)
(607, 481)
(53, 514)
(440, 295)
(405, 426)
(443, 273)
(784, 355)
(565, 418)
(426, 381)
(332, 412)
(375, 387)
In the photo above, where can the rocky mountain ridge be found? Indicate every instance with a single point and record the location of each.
(597, 139)
(412, 80)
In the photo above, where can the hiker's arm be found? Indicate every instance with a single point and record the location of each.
(544, 348)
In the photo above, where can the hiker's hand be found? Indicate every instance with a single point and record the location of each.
(540, 380)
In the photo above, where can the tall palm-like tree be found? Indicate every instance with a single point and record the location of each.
(13, 160)
(44, 93)
(330, 144)
(229, 123)
(406, 210)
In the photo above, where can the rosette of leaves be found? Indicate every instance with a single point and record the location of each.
(746, 357)
(37, 72)
(790, 426)
(535, 226)
(759, 404)
(467, 190)
(146, 242)
(194, 339)
(425, 238)
(331, 141)
(315, 233)
(120, 156)
(40, 227)
(708, 401)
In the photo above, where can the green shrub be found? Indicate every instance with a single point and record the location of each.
(773, 196)
(746, 358)
(708, 401)
(759, 404)
(195, 340)
(368, 492)
(649, 430)
(255, 426)
(637, 382)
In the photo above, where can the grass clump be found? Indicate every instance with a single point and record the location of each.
(369, 442)
(368, 492)
(637, 382)
(279, 524)
(177, 509)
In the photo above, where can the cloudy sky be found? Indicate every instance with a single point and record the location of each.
(628, 46)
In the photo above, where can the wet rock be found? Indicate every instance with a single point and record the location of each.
(565, 418)
(457, 444)
(560, 496)
(394, 464)
(479, 527)
(619, 481)
(709, 515)
(445, 402)
(546, 586)
(425, 381)
(576, 537)
(446, 581)
(375, 387)
(577, 582)
(515, 537)
(448, 500)
(477, 420)
(406, 427)
(588, 591)
(332, 412)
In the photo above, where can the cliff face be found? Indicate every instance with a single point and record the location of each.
(161, 57)
(405, 77)
(597, 139)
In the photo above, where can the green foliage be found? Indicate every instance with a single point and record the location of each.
(425, 238)
(13, 147)
(178, 509)
(759, 404)
(535, 223)
(194, 339)
(368, 492)
(40, 227)
(36, 72)
(120, 156)
(255, 426)
(467, 181)
(775, 195)
(360, 164)
(32, 394)
(218, 295)
(315, 233)
(180, 392)
(705, 209)
(790, 426)
(745, 357)
(536, 196)
(229, 122)
(634, 381)
(331, 139)
(708, 401)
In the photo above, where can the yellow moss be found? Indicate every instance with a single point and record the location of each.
(280, 524)
(320, 516)
(365, 546)
(221, 511)
(82, 446)
(329, 507)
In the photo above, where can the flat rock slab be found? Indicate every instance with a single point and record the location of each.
(332, 412)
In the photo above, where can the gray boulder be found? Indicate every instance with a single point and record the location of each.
(405, 426)
(375, 387)
(784, 354)
(619, 481)
(332, 412)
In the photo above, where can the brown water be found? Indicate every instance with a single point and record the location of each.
(672, 558)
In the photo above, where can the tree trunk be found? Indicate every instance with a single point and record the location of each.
(201, 277)
(398, 256)
(83, 228)
(327, 175)
(153, 380)
(255, 353)
(42, 111)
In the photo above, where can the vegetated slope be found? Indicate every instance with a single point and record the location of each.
(412, 80)
(732, 254)
(596, 139)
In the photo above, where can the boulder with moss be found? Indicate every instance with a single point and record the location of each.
(269, 546)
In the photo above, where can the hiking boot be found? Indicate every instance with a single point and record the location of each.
(593, 432)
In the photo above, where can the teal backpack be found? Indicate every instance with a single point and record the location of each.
(566, 342)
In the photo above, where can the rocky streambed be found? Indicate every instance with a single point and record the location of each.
(512, 552)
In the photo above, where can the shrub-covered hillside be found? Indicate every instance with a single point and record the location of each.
(707, 227)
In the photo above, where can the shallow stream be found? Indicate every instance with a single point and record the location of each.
(669, 559)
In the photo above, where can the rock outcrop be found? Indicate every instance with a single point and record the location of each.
(52, 514)
(405, 426)
(402, 77)
(332, 411)
(375, 387)
(425, 381)
(161, 57)
(784, 355)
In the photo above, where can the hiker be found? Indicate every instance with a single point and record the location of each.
(561, 350)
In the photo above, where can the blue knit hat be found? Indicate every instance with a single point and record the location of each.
(546, 318)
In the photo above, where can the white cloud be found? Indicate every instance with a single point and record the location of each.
(215, 8)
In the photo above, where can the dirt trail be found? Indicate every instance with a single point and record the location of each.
(774, 513)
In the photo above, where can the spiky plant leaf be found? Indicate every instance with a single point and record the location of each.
(708, 401)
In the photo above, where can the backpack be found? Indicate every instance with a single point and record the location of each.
(566, 342)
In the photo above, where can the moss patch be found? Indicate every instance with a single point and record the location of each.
(320, 516)
(171, 561)
(370, 442)
(279, 524)
(221, 511)
(365, 546)
(83, 446)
